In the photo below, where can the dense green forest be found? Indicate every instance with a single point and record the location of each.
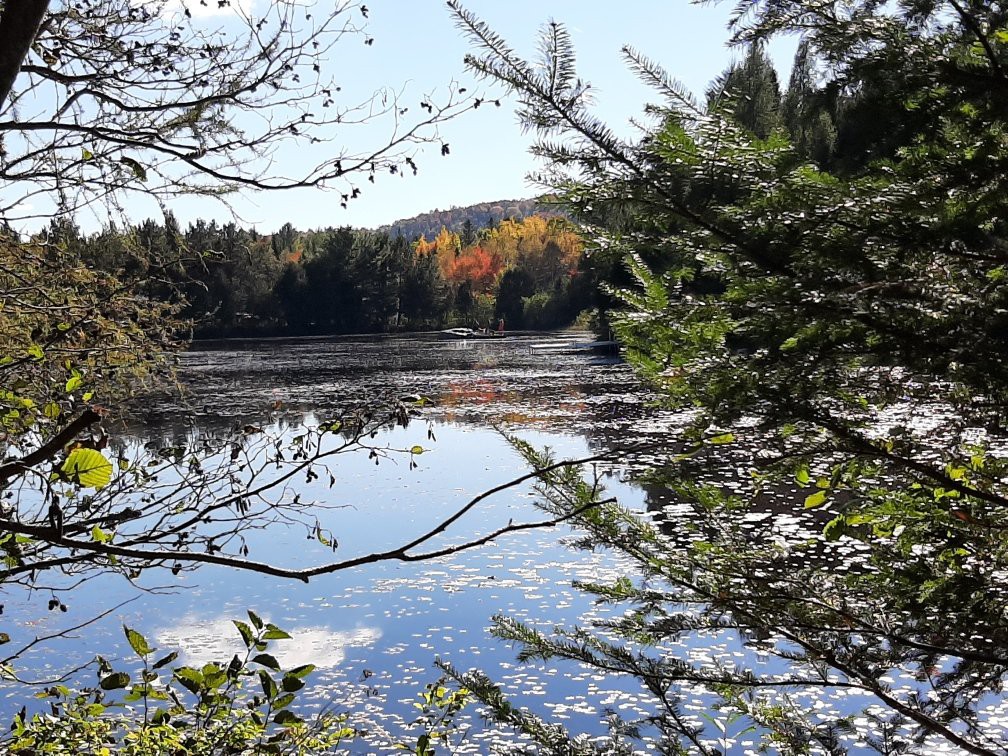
(529, 271)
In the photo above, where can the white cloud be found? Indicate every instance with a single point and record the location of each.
(204, 640)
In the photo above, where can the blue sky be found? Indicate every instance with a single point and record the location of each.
(417, 46)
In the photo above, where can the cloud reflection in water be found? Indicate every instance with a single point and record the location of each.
(200, 640)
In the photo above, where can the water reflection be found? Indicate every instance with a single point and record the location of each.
(477, 382)
(201, 640)
(374, 632)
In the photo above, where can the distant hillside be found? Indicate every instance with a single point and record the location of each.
(481, 215)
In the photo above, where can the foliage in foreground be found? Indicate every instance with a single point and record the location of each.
(245, 706)
(838, 330)
(248, 705)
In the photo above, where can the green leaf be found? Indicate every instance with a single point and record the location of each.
(254, 619)
(74, 382)
(287, 717)
(51, 410)
(269, 686)
(190, 679)
(834, 529)
(275, 633)
(290, 683)
(303, 671)
(246, 633)
(213, 675)
(789, 344)
(138, 170)
(165, 660)
(36, 351)
(417, 449)
(114, 681)
(88, 468)
(267, 660)
(956, 473)
(137, 642)
(100, 536)
(802, 476)
(724, 438)
(86, 154)
(815, 500)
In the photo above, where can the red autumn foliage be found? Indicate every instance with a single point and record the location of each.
(476, 265)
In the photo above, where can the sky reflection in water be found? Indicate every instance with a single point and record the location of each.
(375, 631)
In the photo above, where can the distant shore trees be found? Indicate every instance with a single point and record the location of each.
(238, 282)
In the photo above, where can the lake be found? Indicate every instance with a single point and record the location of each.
(375, 631)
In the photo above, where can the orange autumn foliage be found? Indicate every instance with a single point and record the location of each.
(475, 265)
(548, 248)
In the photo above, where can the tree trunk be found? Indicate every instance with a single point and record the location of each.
(19, 23)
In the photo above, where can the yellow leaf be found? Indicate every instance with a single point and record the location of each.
(88, 468)
(815, 500)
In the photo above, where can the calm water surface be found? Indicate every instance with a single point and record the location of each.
(374, 632)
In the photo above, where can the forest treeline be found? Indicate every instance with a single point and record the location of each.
(513, 259)
(238, 282)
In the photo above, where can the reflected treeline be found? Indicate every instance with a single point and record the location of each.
(285, 384)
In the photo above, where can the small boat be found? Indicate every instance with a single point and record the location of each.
(457, 333)
(466, 333)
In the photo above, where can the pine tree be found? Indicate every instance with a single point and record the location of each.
(850, 305)
(750, 92)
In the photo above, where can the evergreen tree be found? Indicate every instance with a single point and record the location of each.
(750, 92)
(468, 233)
(805, 112)
(515, 285)
(850, 305)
